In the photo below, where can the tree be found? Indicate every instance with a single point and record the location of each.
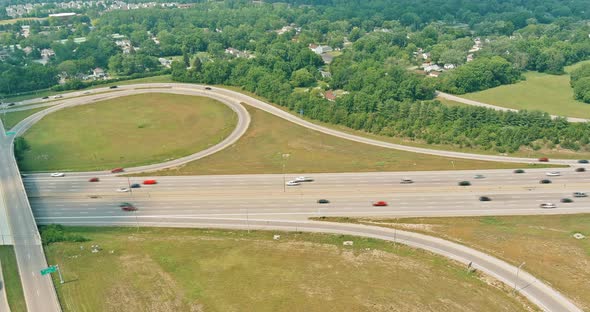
(582, 89)
(197, 65)
(302, 78)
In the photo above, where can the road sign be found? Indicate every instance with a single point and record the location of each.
(49, 270)
(10, 132)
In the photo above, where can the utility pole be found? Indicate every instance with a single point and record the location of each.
(517, 271)
(284, 157)
(61, 279)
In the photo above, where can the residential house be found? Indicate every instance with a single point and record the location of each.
(98, 73)
(330, 96)
(449, 66)
(165, 62)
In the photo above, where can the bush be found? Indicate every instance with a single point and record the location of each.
(20, 147)
(55, 233)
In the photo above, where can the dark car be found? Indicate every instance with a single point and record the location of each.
(380, 204)
(11, 104)
(127, 207)
(545, 181)
(323, 201)
(93, 179)
(543, 159)
(113, 87)
(135, 185)
(582, 161)
(117, 170)
(518, 171)
(567, 200)
(464, 183)
(207, 88)
(45, 98)
(484, 198)
(581, 169)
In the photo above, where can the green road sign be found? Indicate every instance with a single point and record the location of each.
(49, 270)
(10, 132)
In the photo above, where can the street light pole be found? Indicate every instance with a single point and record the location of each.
(517, 271)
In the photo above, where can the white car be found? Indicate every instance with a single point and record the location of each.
(58, 96)
(580, 194)
(553, 173)
(303, 179)
(479, 176)
(122, 190)
(292, 183)
(406, 181)
(548, 205)
(58, 175)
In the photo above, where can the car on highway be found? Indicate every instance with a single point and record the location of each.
(292, 183)
(380, 204)
(117, 170)
(580, 194)
(95, 179)
(479, 176)
(548, 205)
(566, 200)
(150, 182)
(545, 181)
(207, 88)
(87, 92)
(11, 104)
(553, 173)
(127, 207)
(484, 198)
(464, 183)
(519, 171)
(323, 201)
(58, 96)
(581, 169)
(45, 98)
(135, 185)
(123, 190)
(406, 181)
(583, 161)
(543, 159)
(113, 87)
(58, 175)
(303, 179)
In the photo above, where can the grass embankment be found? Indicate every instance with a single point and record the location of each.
(127, 131)
(261, 148)
(549, 93)
(545, 243)
(525, 152)
(11, 119)
(212, 270)
(12, 284)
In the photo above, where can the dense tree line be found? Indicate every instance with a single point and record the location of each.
(481, 74)
(580, 81)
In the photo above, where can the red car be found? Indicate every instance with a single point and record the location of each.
(544, 159)
(93, 180)
(117, 170)
(380, 204)
(147, 182)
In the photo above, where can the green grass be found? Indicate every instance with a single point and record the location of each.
(260, 151)
(14, 290)
(14, 20)
(11, 119)
(157, 269)
(549, 93)
(127, 131)
(545, 243)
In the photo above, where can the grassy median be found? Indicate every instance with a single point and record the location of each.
(212, 270)
(13, 118)
(127, 131)
(261, 150)
(545, 243)
(14, 289)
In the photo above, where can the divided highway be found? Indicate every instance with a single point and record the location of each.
(264, 201)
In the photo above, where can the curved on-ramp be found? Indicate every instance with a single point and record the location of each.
(533, 289)
(536, 291)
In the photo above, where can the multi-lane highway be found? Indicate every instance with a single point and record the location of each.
(39, 292)
(265, 200)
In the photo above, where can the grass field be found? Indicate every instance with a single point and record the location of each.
(14, 290)
(14, 20)
(128, 131)
(549, 93)
(11, 119)
(260, 151)
(212, 270)
(545, 243)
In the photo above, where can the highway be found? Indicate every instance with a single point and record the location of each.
(39, 292)
(264, 200)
